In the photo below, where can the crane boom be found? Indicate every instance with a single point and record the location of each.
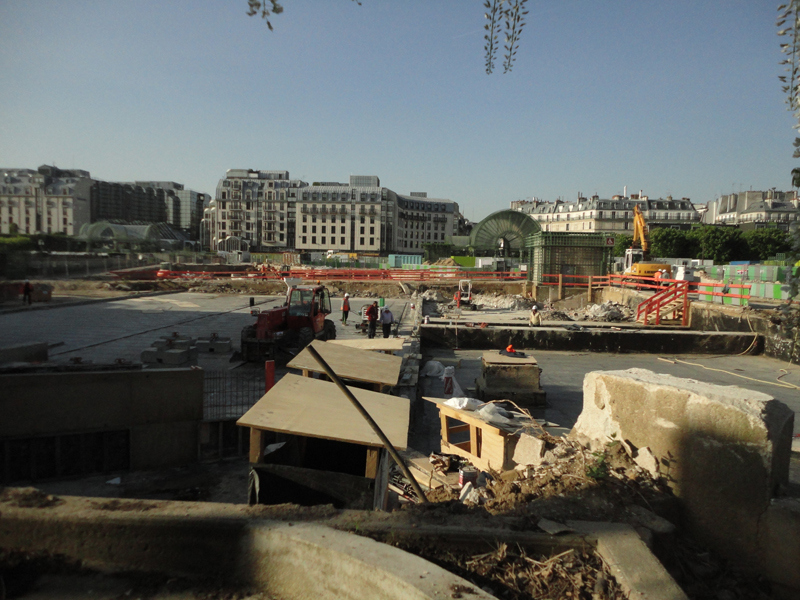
(640, 230)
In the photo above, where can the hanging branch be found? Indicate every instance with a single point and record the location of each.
(515, 21)
(269, 7)
(494, 16)
(789, 14)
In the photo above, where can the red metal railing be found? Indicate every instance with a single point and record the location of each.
(676, 294)
(351, 275)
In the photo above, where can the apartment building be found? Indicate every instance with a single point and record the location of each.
(614, 215)
(422, 220)
(252, 210)
(46, 200)
(356, 217)
(754, 210)
(184, 208)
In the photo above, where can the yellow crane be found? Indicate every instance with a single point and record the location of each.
(637, 257)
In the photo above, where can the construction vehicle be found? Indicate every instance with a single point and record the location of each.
(637, 257)
(463, 297)
(294, 325)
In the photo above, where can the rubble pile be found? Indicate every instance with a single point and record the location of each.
(502, 301)
(611, 312)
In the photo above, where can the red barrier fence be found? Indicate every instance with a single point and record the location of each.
(351, 275)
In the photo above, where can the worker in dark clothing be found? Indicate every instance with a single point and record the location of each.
(27, 290)
(372, 319)
(345, 308)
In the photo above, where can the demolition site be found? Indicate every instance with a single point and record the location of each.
(196, 437)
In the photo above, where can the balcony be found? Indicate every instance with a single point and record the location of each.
(304, 209)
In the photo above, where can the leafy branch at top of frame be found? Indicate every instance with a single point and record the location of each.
(266, 8)
(510, 13)
(788, 24)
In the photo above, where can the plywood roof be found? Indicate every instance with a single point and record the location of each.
(376, 344)
(351, 363)
(315, 408)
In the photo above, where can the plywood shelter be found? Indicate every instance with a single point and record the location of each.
(488, 445)
(387, 345)
(311, 407)
(351, 363)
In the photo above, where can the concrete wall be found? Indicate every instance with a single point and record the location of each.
(160, 408)
(33, 352)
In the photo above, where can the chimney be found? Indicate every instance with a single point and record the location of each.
(625, 191)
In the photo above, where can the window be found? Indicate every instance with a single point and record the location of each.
(361, 241)
(323, 240)
(323, 230)
(304, 239)
(323, 219)
(282, 237)
(341, 219)
(342, 242)
(304, 228)
(362, 231)
(371, 220)
(313, 219)
(305, 218)
(333, 229)
(313, 229)
(313, 239)
(371, 241)
(224, 195)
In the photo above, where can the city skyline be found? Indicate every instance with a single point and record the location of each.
(678, 100)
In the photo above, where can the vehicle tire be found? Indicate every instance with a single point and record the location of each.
(304, 337)
(330, 330)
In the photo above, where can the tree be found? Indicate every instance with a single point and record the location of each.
(765, 243)
(673, 243)
(508, 14)
(720, 244)
(621, 243)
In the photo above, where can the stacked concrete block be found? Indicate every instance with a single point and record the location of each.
(509, 378)
(723, 450)
(171, 351)
(214, 344)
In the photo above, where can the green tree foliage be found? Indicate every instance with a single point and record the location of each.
(721, 244)
(17, 242)
(671, 243)
(766, 243)
(621, 243)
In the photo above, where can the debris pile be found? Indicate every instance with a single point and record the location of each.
(502, 301)
(610, 311)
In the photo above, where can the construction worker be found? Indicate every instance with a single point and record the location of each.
(387, 319)
(372, 319)
(345, 308)
(536, 318)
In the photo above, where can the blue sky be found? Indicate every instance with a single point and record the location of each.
(676, 97)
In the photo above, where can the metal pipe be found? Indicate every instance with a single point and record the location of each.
(375, 427)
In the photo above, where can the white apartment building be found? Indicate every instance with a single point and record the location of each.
(354, 217)
(48, 200)
(754, 210)
(252, 210)
(614, 215)
(422, 220)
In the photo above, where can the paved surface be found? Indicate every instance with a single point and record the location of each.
(103, 332)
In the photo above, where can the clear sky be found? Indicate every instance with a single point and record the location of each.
(677, 97)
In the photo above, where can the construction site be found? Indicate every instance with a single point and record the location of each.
(502, 435)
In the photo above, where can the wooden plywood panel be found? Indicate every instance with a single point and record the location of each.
(375, 345)
(314, 408)
(351, 363)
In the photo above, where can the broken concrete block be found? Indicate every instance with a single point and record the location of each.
(722, 449)
(150, 355)
(529, 450)
(468, 487)
(645, 459)
(174, 357)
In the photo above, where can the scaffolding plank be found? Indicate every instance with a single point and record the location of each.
(374, 345)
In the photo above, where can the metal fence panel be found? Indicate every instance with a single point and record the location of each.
(227, 395)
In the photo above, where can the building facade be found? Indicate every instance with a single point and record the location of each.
(422, 220)
(47, 200)
(754, 210)
(613, 215)
(252, 210)
(184, 207)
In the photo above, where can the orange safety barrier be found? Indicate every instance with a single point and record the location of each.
(350, 275)
(674, 298)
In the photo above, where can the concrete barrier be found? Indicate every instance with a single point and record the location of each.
(284, 559)
(593, 340)
(33, 352)
(723, 450)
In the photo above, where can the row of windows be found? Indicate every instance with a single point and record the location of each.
(324, 240)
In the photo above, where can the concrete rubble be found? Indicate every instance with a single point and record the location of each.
(723, 450)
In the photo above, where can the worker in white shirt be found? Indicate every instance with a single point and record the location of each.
(387, 319)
